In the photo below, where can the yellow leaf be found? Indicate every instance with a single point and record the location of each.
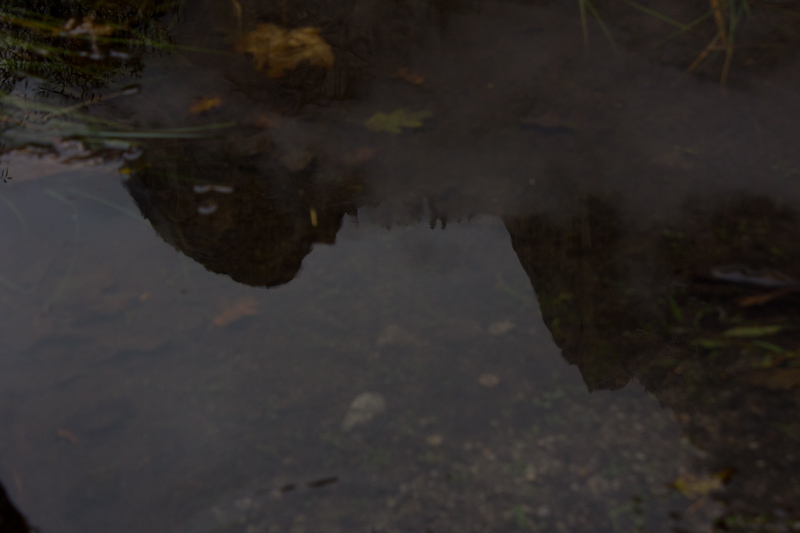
(696, 487)
(396, 121)
(204, 104)
(281, 50)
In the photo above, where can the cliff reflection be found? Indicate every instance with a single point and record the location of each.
(234, 220)
(639, 301)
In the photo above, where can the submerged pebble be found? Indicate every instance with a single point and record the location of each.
(363, 409)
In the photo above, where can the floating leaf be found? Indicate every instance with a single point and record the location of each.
(282, 50)
(396, 121)
(753, 331)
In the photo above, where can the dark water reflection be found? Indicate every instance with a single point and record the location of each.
(528, 296)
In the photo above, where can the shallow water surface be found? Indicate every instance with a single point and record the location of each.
(466, 275)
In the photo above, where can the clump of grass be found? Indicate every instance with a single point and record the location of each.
(585, 6)
(727, 16)
(59, 57)
(76, 44)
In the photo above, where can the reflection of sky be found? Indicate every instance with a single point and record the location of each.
(125, 408)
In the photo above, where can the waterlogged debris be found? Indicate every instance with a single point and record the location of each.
(67, 435)
(317, 483)
(206, 188)
(358, 156)
(778, 379)
(500, 328)
(762, 299)
(397, 121)
(548, 123)
(204, 104)
(208, 208)
(409, 76)
(435, 440)
(279, 50)
(241, 308)
(769, 279)
(88, 27)
(748, 332)
(393, 334)
(696, 487)
(364, 408)
(489, 381)
(297, 160)
(710, 344)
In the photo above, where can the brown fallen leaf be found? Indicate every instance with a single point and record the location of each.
(411, 77)
(282, 50)
(67, 434)
(230, 313)
(204, 104)
(267, 121)
(549, 122)
(761, 299)
(358, 156)
(488, 380)
(777, 379)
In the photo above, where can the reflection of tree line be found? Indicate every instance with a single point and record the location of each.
(622, 301)
(11, 520)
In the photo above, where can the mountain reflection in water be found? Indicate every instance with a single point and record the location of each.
(407, 378)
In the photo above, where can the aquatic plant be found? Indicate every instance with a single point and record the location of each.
(59, 57)
(727, 16)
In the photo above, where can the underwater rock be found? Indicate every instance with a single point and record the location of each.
(364, 408)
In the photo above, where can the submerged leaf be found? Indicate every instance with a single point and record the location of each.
(753, 331)
(762, 299)
(783, 378)
(695, 487)
(738, 274)
(282, 50)
(395, 122)
(710, 344)
(204, 104)
(230, 313)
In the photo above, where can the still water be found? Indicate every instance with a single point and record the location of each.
(452, 270)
